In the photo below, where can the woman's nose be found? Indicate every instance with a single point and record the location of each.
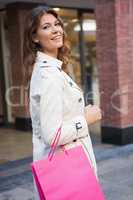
(54, 29)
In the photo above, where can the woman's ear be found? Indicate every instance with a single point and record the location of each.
(35, 39)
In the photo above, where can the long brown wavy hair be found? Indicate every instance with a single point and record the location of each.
(30, 48)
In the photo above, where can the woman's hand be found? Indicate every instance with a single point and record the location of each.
(92, 114)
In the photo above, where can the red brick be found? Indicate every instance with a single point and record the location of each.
(115, 59)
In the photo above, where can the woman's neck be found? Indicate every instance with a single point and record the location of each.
(51, 53)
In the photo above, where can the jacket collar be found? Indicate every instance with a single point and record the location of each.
(45, 60)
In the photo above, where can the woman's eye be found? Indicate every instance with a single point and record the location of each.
(46, 27)
(58, 24)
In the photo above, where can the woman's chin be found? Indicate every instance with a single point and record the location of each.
(58, 45)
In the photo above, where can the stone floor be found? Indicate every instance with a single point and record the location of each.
(14, 144)
(115, 167)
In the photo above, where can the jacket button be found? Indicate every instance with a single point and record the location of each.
(80, 99)
(71, 84)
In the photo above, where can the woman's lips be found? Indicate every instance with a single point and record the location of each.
(57, 37)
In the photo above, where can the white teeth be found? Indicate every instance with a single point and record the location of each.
(57, 37)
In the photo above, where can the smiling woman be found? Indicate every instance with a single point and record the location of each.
(56, 101)
(43, 25)
(49, 34)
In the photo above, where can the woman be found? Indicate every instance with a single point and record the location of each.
(55, 99)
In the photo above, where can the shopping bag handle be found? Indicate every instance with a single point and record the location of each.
(55, 143)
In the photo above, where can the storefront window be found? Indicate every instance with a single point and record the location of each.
(82, 40)
(89, 31)
(70, 20)
(91, 86)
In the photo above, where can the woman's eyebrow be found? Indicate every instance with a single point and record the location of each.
(48, 23)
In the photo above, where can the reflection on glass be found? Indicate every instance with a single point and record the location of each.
(88, 25)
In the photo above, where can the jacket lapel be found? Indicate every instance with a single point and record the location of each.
(71, 82)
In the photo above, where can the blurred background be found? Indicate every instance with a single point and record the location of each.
(101, 39)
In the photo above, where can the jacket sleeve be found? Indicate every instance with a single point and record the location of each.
(51, 114)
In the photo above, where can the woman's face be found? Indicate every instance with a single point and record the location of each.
(49, 33)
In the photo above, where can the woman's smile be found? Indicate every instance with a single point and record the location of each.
(58, 37)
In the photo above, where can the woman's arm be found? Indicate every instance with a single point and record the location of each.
(51, 114)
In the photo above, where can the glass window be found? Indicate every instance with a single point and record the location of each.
(70, 20)
(81, 30)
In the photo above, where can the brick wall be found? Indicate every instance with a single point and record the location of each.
(15, 16)
(124, 34)
(115, 61)
(1, 106)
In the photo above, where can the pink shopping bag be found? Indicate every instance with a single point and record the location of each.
(66, 176)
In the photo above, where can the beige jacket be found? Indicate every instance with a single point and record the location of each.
(56, 99)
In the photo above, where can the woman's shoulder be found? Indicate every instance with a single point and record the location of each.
(43, 72)
(46, 76)
(50, 73)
